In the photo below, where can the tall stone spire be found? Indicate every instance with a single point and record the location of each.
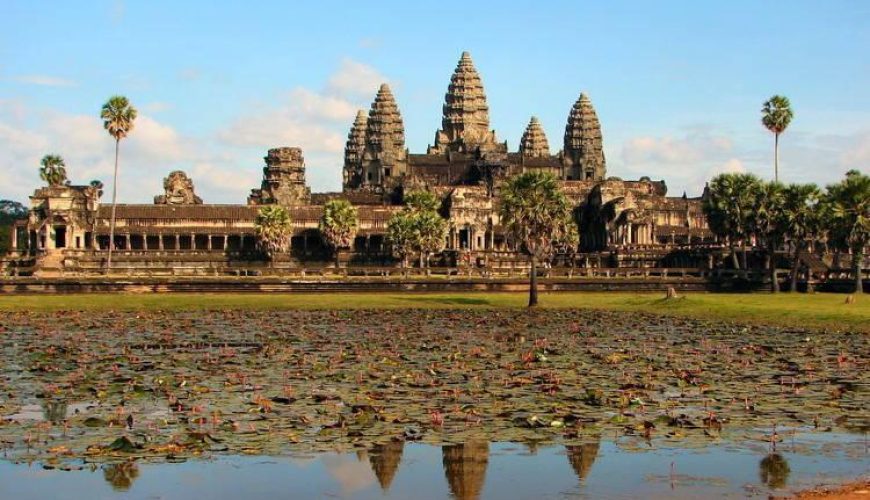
(584, 150)
(465, 119)
(385, 154)
(534, 141)
(385, 130)
(354, 150)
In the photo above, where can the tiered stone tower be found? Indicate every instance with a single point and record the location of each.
(385, 157)
(465, 120)
(583, 155)
(534, 142)
(283, 179)
(353, 152)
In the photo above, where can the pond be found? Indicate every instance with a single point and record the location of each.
(605, 469)
(425, 404)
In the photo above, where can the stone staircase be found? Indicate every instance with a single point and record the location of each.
(49, 265)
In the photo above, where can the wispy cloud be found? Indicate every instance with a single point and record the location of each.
(43, 80)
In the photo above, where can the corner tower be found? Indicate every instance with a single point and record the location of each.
(353, 152)
(465, 115)
(534, 141)
(583, 155)
(385, 156)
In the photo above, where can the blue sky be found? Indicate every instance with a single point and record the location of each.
(677, 85)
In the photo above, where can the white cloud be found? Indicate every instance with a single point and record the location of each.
(682, 150)
(224, 166)
(355, 79)
(43, 80)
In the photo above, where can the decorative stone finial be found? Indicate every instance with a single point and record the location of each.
(534, 141)
(584, 150)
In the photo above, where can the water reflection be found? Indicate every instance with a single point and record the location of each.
(54, 411)
(385, 459)
(774, 471)
(121, 476)
(582, 457)
(465, 467)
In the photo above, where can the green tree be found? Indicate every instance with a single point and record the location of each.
(273, 228)
(338, 225)
(768, 224)
(118, 116)
(728, 207)
(849, 202)
(422, 201)
(52, 170)
(431, 234)
(402, 234)
(10, 211)
(800, 219)
(776, 115)
(536, 216)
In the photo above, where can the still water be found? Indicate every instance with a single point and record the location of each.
(597, 469)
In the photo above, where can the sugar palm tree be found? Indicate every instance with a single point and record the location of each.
(767, 223)
(431, 234)
(536, 214)
(118, 116)
(402, 235)
(849, 202)
(776, 114)
(728, 207)
(800, 221)
(52, 170)
(273, 227)
(338, 225)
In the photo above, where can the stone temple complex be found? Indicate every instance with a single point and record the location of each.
(621, 222)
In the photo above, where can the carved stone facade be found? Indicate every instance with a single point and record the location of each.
(178, 189)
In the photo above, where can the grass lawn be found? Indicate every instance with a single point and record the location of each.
(814, 310)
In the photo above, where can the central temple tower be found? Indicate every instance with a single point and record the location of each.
(465, 120)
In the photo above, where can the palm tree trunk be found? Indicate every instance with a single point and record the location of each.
(857, 257)
(776, 157)
(795, 265)
(771, 265)
(533, 283)
(734, 258)
(114, 204)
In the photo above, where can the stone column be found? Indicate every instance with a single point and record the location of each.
(192, 241)
(145, 241)
(128, 242)
(177, 242)
(160, 241)
(14, 237)
(209, 242)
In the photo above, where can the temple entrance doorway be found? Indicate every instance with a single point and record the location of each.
(60, 236)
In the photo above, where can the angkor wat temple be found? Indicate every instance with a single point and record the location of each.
(621, 223)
